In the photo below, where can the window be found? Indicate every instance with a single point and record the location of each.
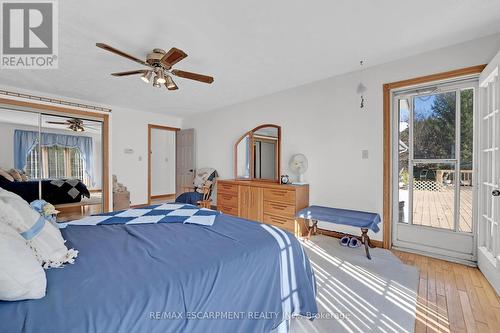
(57, 162)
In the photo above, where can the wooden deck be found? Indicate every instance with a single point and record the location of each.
(435, 208)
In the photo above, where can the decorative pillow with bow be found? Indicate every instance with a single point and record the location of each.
(44, 239)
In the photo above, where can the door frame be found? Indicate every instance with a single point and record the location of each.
(387, 135)
(453, 245)
(165, 128)
(488, 260)
(103, 116)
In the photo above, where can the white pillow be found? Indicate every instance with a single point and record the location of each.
(41, 236)
(21, 276)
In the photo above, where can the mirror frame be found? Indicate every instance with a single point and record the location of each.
(278, 156)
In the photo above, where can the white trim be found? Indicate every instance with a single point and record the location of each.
(470, 263)
(447, 244)
(488, 266)
(491, 77)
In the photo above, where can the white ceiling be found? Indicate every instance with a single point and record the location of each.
(252, 48)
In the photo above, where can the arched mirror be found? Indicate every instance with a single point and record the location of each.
(257, 154)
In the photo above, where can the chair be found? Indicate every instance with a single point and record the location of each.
(200, 192)
(121, 196)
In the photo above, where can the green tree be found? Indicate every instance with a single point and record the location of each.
(434, 134)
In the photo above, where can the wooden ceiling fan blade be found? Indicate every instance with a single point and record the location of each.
(57, 122)
(173, 56)
(120, 53)
(193, 76)
(139, 71)
(91, 127)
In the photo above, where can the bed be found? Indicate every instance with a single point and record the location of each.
(55, 191)
(233, 276)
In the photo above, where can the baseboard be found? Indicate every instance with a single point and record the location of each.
(486, 264)
(162, 196)
(139, 205)
(435, 255)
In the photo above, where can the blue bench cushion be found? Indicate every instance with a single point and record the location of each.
(341, 216)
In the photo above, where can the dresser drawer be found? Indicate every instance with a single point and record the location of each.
(280, 195)
(228, 210)
(282, 222)
(278, 208)
(227, 199)
(227, 188)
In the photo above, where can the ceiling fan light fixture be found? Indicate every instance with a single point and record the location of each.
(156, 84)
(169, 83)
(76, 128)
(161, 77)
(146, 77)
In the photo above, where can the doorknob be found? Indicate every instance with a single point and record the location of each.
(191, 170)
(495, 193)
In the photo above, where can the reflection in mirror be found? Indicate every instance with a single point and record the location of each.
(72, 153)
(13, 176)
(265, 153)
(243, 158)
(268, 131)
(257, 154)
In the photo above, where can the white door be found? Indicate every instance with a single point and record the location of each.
(434, 169)
(185, 159)
(489, 199)
(162, 162)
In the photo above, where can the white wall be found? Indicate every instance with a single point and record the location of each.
(129, 130)
(162, 161)
(323, 121)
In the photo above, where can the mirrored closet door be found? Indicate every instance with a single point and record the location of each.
(58, 159)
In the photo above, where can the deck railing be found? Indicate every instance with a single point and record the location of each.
(444, 179)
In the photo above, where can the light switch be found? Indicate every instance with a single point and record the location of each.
(140, 158)
(364, 154)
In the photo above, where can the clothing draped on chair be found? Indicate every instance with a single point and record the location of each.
(203, 175)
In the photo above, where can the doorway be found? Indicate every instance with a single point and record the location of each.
(434, 169)
(161, 163)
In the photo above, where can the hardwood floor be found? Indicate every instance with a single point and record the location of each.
(453, 297)
(75, 213)
(162, 200)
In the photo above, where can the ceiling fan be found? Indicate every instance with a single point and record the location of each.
(160, 64)
(74, 124)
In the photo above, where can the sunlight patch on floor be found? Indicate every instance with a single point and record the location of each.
(359, 292)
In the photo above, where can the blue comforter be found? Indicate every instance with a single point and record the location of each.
(233, 276)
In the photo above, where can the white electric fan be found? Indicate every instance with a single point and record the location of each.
(298, 164)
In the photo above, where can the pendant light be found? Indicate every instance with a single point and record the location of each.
(170, 84)
(146, 77)
(161, 77)
(156, 84)
(361, 87)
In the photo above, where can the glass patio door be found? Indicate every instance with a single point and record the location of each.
(434, 175)
(489, 207)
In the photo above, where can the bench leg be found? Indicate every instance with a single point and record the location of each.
(312, 229)
(365, 240)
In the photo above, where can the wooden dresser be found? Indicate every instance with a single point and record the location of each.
(266, 202)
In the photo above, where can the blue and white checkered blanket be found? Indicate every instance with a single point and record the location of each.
(166, 213)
